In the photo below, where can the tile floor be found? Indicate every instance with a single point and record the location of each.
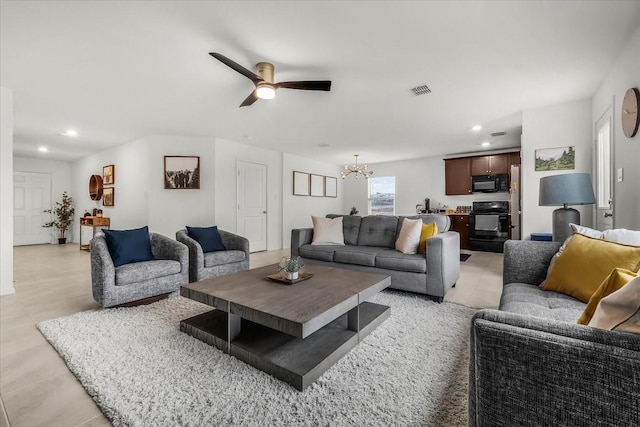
(37, 389)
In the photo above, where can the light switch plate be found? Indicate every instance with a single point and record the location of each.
(619, 174)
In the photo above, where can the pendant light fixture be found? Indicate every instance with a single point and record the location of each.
(356, 169)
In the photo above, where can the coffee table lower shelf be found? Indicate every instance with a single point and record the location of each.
(296, 361)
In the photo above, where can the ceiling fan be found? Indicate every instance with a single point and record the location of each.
(263, 80)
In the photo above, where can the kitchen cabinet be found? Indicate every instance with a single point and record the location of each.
(460, 223)
(457, 176)
(490, 165)
(514, 159)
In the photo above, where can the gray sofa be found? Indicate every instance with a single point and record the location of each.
(531, 364)
(213, 264)
(370, 246)
(113, 286)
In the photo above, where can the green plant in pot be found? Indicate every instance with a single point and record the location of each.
(290, 267)
(63, 213)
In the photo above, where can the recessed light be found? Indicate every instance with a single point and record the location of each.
(43, 149)
(486, 144)
(69, 132)
(476, 128)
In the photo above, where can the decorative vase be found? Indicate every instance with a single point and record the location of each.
(62, 240)
(291, 275)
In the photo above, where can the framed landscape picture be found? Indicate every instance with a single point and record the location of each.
(300, 183)
(108, 175)
(108, 196)
(317, 185)
(330, 186)
(552, 159)
(181, 172)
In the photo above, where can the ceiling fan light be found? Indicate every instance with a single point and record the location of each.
(266, 91)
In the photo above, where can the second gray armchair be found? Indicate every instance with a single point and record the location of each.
(213, 264)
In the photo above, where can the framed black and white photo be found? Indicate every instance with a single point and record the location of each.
(108, 175)
(108, 196)
(317, 185)
(181, 172)
(300, 183)
(330, 186)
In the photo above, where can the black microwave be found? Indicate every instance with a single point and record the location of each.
(490, 183)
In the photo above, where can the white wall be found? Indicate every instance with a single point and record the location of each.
(297, 210)
(562, 125)
(624, 73)
(172, 210)
(6, 191)
(227, 155)
(140, 198)
(60, 172)
(416, 180)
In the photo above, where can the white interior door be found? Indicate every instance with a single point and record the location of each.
(604, 172)
(252, 204)
(31, 196)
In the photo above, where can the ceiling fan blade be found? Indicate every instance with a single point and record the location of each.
(239, 68)
(253, 97)
(306, 85)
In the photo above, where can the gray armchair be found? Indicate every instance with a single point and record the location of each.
(131, 282)
(213, 264)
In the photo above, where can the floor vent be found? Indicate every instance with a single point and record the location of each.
(421, 90)
(502, 133)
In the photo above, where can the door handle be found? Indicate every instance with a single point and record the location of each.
(264, 212)
(607, 214)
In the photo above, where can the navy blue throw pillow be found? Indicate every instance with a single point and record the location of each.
(207, 237)
(127, 246)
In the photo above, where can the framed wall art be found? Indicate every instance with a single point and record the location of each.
(317, 185)
(300, 183)
(330, 186)
(108, 175)
(181, 172)
(552, 159)
(108, 196)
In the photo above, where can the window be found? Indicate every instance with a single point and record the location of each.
(382, 195)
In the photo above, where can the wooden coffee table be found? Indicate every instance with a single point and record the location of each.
(293, 332)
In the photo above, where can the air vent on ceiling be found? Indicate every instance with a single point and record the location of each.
(421, 90)
(501, 133)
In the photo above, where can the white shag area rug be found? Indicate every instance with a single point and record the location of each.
(142, 371)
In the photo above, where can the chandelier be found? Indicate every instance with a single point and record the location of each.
(356, 169)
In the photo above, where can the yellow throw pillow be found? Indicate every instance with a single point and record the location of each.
(428, 230)
(614, 281)
(584, 264)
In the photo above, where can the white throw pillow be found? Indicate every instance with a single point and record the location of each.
(622, 235)
(586, 231)
(620, 310)
(409, 236)
(327, 231)
(618, 235)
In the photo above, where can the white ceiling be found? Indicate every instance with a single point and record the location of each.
(119, 71)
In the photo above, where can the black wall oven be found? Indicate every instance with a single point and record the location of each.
(489, 226)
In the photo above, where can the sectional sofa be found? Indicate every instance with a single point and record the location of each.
(369, 245)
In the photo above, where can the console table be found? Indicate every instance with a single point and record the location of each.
(93, 222)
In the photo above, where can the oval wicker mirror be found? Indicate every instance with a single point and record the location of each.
(95, 187)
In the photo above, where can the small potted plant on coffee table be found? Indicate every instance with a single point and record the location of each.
(290, 267)
(63, 217)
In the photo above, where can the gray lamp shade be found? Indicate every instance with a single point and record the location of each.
(566, 189)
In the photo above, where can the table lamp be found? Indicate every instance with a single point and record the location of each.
(564, 190)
